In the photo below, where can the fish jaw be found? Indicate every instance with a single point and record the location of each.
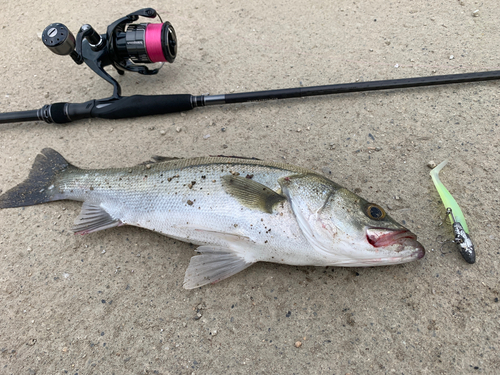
(401, 245)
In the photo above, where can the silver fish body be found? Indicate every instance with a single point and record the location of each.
(240, 211)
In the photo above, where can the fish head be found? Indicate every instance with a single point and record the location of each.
(345, 228)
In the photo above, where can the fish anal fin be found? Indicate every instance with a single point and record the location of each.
(251, 193)
(215, 263)
(94, 218)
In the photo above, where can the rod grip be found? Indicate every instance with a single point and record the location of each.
(142, 105)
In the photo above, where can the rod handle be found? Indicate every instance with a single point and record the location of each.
(141, 105)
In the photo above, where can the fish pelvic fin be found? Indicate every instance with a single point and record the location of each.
(215, 263)
(39, 187)
(94, 218)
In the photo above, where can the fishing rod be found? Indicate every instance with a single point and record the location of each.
(123, 46)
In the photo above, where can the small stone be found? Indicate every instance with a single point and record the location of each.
(222, 129)
(298, 344)
(396, 66)
(432, 164)
(299, 130)
(148, 166)
(378, 148)
(178, 129)
(206, 136)
(65, 349)
(183, 114)
(163, 132)
(332, 146)
(475, 13)
(46, 95)
(225, 146)
(452, 57)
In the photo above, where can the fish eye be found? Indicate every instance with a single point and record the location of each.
(375, 212)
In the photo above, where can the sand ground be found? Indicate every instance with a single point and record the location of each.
(113, 303)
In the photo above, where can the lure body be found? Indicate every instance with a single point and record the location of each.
(446, 197)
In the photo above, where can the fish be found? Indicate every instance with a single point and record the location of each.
(238, 211)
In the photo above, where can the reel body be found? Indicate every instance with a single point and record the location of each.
(124, 47)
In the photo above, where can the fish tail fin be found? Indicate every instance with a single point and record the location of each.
(39, 186)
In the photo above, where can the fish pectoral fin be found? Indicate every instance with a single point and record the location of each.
(93, 218)
(215, 263)
(251, 193)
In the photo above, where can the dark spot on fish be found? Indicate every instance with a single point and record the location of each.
(190, 202)
(249, 176)
(203, 177)
(91, 188)
(120, 179)
(288, 314)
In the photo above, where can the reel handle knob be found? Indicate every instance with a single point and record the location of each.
(58, 39)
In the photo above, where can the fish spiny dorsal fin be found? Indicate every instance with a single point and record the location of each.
(251, 193)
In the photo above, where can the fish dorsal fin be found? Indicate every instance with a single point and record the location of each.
(93, 218)
(251, 193)
(234, 157)
(159, 159)
(215, 263)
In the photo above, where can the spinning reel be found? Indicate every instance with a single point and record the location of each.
(123, 47)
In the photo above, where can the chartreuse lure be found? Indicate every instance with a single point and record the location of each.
(462, 238)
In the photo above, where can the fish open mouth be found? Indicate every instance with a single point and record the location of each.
(381, 237)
